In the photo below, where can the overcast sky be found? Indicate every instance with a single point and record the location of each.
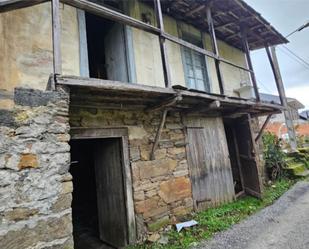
(285, 16)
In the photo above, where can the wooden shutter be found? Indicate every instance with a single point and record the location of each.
(208, 159)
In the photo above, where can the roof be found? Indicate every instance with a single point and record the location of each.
(304, 115)
(227, 16)
(274, 99)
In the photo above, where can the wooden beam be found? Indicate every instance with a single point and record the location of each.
(214, 105)
(249, 62)
(8, 5)
(105, 12)
(215, 48)
(56, 30)
(276, 76)
(263, 128)
(163, 49)
(111, 85)
(196, 9)
(158, 135)
(164, 104)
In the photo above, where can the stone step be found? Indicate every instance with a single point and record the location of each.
(297, 169)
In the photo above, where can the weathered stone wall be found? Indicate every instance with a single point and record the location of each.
(162, 187)
(35, 186)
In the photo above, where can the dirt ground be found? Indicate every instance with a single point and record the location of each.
(283, 225)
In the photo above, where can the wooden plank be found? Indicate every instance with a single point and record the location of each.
(163, 48)
(111, 85)
(249, 62)
(110, 192)
(129, 190)
(208, 160)
(158, 135)
(9, 5)
(215, 48)
(83, 48)
(56, 30)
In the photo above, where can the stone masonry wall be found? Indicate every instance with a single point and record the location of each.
(35, 186)
(162, 187)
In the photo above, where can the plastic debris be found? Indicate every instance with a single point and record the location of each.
(182, 225)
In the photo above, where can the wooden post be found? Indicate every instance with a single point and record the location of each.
(56, 30)
(163, 49)
(215, 48)
(158, 135)
(246, 48)
(288, 119)
(263, 128)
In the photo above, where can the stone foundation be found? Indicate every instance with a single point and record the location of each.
(161, 187)
(35, 187)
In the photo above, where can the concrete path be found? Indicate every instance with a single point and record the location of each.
(284, 225)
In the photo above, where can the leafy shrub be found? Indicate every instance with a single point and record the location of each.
(273, 155)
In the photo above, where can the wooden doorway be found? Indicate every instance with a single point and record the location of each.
(243, 156)
(102, 197)
(209, 164)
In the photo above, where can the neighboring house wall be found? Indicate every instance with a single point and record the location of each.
(26, 47)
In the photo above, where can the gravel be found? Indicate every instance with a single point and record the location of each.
(284, 225)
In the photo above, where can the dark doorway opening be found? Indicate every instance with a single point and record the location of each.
(231, 138)
(242, 156)
(98, 207)
(106, 44)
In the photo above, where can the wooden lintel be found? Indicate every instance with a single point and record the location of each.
(263, 128)
(170, 102)
(158, 135)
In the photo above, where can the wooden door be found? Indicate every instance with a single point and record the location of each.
(115, 54)
(249, 169)
(110, 192)
(208, 159)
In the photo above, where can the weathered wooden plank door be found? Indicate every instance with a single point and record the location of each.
(249, 168)
(110, 192)
(208, 159)
(115, 54)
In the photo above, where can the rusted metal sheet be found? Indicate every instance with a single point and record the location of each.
(208, 159)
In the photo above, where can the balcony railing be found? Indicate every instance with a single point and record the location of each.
(108, 13)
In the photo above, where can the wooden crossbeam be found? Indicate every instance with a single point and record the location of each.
(263, 128)
(165, 104)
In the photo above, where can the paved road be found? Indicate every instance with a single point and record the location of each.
(284, 225)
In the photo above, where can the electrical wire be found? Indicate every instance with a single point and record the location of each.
(297, 58)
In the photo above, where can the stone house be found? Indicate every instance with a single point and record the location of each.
(120, 117)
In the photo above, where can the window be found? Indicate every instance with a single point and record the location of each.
(195, 65)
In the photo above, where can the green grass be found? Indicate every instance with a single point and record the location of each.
(220, 218)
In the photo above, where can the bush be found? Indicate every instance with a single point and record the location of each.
(274, 156)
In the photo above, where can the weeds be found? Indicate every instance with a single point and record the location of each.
(220, 218)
